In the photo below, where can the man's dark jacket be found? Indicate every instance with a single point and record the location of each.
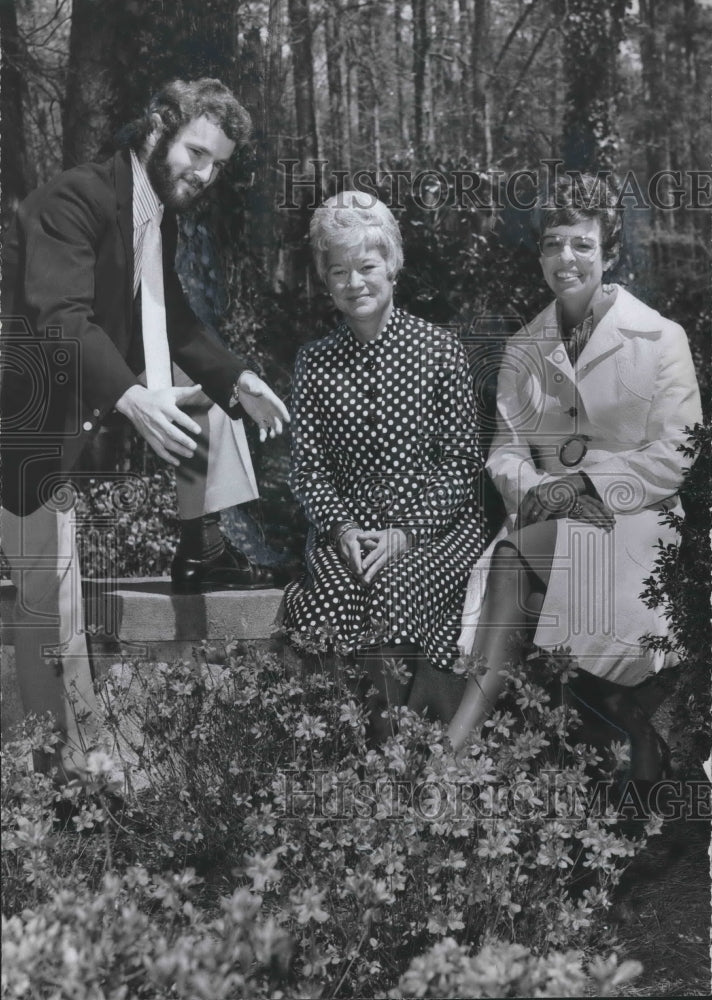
(71, 329)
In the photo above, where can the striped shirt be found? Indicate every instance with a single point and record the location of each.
(575, 338)
(145, 206)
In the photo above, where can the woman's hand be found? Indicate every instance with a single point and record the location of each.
(348, 546)
(382, 547)
(550, 500)
(565, 497)
(592, 511)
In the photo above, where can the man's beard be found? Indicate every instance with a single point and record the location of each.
(165, 183)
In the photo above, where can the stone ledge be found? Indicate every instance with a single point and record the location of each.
(143, 610)
(141, 618)
(155, 617)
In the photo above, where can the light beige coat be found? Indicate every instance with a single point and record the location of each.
(631, 393)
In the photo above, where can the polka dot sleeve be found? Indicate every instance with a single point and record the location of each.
(311, 477)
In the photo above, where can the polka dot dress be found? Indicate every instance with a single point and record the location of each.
(384, 435)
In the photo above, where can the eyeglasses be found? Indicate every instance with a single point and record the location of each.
(582, 246)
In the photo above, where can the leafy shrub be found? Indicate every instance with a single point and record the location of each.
(39, 856)
(680, 586)
(141, 935)
(501, 969)
(329, 869)
(127, 525)
(107, 945)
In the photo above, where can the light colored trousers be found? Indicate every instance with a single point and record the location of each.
(51, 655)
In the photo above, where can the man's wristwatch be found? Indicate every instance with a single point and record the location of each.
(235, 394)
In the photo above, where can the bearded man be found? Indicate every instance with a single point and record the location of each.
(95, 324)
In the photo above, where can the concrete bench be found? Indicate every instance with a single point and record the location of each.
(141, 618)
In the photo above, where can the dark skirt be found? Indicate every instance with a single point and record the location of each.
(417, 599)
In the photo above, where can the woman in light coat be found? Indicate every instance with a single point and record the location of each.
(593, 401)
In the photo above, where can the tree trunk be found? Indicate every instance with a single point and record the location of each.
(652, 69)
(334, 50)
(303, 69)
(481, 48)
(268, 142)
(295, 223)
(691, 29)
(374, 64)
(377, 134)
(404, 135)
(18, 175)
(341, 126)
(354, 111)
(251, 86)
(271, 118)
(592, 32)
(464, 30)
(189, 40)
(421, 44)
(90, 112)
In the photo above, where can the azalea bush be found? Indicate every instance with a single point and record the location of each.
(127, 524)
(501, 969)
(680, 587)
(261, 849)
(144, 936)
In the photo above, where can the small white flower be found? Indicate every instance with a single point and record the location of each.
(100, 764)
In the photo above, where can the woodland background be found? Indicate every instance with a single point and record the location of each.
(487, 87)
(483, 85)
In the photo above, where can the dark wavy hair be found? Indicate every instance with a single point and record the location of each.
(577, 197)
(182, 101)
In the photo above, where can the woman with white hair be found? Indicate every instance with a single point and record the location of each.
(385, 463)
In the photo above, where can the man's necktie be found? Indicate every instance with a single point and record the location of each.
(153, 308)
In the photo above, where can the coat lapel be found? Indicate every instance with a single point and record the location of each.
(626, 317)
(594, 379)
(597, 369)
(605, 341)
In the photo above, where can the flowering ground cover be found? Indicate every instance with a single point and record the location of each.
(261, 850)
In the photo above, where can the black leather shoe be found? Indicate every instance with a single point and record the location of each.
(285, 572)
(231, 570)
